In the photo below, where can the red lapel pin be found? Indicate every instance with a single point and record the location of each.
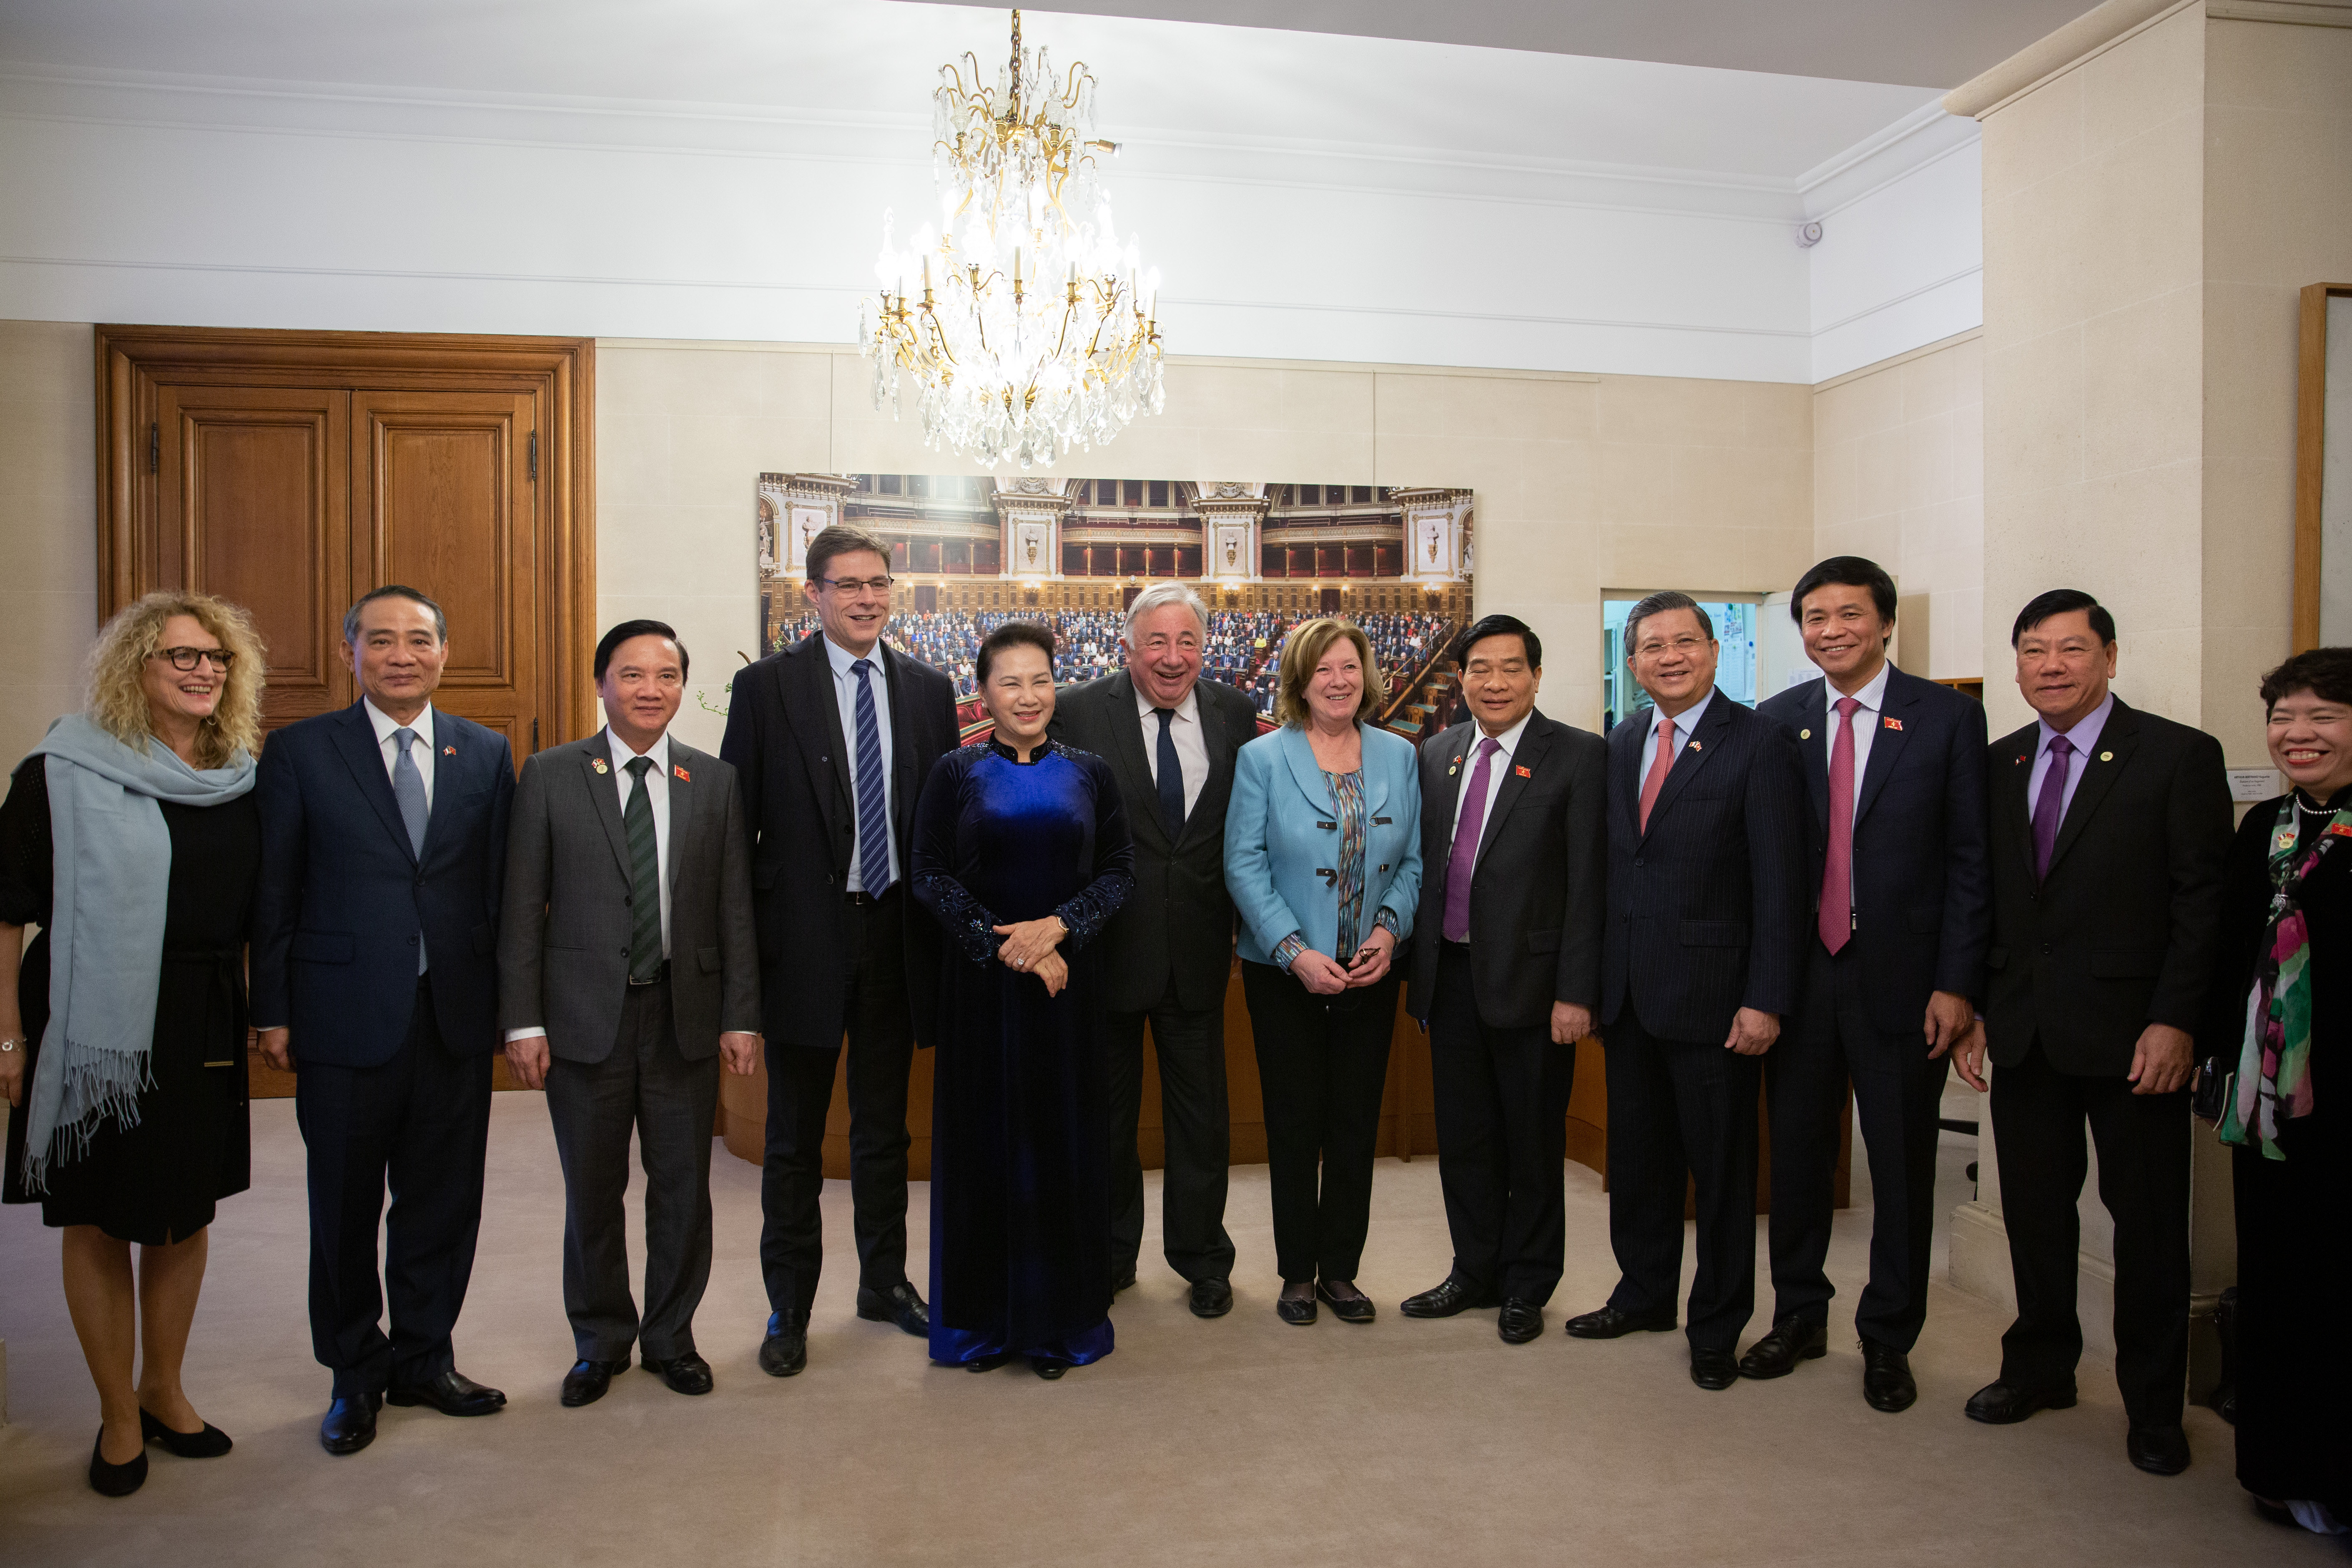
(684, 778)
(1894, 724)
(1524, 772)
(449, 750)
(1694, 745)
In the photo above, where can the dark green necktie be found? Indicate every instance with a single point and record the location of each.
(645, 877)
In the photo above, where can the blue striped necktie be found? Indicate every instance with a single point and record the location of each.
(873, 797)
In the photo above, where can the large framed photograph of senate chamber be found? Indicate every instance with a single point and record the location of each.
(969, 551)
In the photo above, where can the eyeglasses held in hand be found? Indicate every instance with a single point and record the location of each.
(188, 657)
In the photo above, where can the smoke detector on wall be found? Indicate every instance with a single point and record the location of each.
(1808, 236)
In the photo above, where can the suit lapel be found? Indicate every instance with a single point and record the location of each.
(1520, 769)
(355, 738)
(1814, 743)
(1306, 774)
(823, 751)
(2117, 740)
(1220, 744)
(1693, 754)
(456, 753)
(905, 781)
(2010, 794)
(683, 793)
(1443, 789)
(1886, 746)
(605, 799)
(1625, 770)
(1134, 767)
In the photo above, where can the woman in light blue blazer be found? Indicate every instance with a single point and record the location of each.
(1323, 859)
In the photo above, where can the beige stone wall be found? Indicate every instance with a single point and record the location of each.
(1898, 476)
(48, 527)
(1583, 483)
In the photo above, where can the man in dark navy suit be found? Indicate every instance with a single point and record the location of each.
(1894, 766)
(375, 981)
(1701, 958)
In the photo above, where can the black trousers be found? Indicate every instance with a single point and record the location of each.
(2294, 1274)
(642, 1086)
(1502, 1139)
(1197, 1126)
(420, 1121)
(1678, 1108)
(880, 1051)
(2038, 1116)
(1322, 1062)
(1897, 1091)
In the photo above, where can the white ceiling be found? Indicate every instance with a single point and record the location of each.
(1168, 83)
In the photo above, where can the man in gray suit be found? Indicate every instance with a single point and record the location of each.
(628, 969)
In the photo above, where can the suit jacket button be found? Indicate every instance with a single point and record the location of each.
(1637, 859)
(2045, 950)
(628, 898)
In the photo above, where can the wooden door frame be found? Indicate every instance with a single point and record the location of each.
(388, 361)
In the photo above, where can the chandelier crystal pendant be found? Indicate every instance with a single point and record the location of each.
(1036, 329)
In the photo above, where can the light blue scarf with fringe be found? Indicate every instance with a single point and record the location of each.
(113, 874)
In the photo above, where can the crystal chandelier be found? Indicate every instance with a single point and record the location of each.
(1036, 332)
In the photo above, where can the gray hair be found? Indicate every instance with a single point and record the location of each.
(391, 591)
(1158, 597)
(1658, 604)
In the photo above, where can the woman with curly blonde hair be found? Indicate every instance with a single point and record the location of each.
(131, 837)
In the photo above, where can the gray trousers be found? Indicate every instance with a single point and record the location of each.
(646, 1085)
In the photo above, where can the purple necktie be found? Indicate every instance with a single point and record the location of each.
(2050, 806)
(1462, 864)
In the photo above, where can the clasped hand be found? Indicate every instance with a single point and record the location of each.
(1323, 976)
(1029, 947)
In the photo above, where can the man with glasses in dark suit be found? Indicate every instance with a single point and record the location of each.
(833, 738)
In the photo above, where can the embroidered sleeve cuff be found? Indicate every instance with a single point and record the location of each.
(1287, 951)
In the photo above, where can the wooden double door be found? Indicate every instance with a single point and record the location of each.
(293, 472)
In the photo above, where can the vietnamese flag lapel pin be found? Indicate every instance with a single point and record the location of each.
(1896, 724)
(1524, 772)
(683, 776)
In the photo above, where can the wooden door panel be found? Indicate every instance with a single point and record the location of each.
(257, 477)
(443, 500)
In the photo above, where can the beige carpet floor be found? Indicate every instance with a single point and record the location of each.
(1240, 1440)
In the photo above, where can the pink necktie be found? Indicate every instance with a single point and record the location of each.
(1837, 866)
(1660, 765)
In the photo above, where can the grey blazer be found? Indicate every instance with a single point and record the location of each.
(563, 936)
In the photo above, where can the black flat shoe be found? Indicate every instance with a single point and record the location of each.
(586, 1381)
(900, 1305)
(115, 1481)
(2005, 1404)
(1609, 1323)
(1356, 1308)
(1296, 1310)
(1714, 1371)
(349, 1424)
(686, 1373)
(1449, 1296)
(785, 1349)
(2158, 1450)
(1211, 1298)
(1048, 1368)
(1520, 1321)
(451, 1392)
(986, 1363)
(209, 1444)
(1887, 1382)
(1792, 1340)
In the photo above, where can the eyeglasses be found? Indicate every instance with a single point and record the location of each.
(852, 584)
(188, 657)
(1685, 646)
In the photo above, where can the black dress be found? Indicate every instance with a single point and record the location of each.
(157, 1182)
(2294, 1250)
(1020, 1162)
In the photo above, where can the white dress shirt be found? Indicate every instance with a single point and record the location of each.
(422, 751)
(1192, 745)
(1498, 768)
(1873, 698)
(657, 797)
(1685, 725)
(845, 688)
(2084, 737)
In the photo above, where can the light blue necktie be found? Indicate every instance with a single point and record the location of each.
(408, 791)
(873, 798)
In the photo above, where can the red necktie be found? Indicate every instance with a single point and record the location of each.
(1837, 866)
(1660, 765)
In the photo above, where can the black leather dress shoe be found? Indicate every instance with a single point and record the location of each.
(1886, 1378)
(1212, 1298)
(1714, 1369)
(1296, 1310)
(1443, 1299)
(452, 1394)
(586, 1381)
(2158, 1450)
(1355, 1308)
(900, 1305)
(209, 1444)
(687, 1373)
(1520, 1321)
(1048, 1367)
(1123, 1280)
(115, 1481)
(2003, 1403)
(785, 1349)
(987, 1363)
(1792, 1340)
(1609, 1323)
(349, 1424)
